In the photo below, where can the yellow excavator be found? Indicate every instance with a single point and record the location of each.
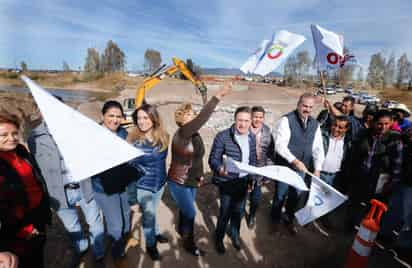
(178, 66)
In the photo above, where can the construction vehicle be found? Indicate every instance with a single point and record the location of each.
(131, 104)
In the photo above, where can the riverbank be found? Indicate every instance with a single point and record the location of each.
(113, 82)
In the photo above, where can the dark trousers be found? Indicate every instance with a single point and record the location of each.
(254, 198)
(232, 203)
(34, 258)
(289, 197)
(284, 196)
(31, 252)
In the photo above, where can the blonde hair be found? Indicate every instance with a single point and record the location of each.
(181, 111)
(159, 134)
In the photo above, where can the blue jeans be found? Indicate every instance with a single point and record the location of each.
(70, 219)
(231, 212)
(400, 214)
(116, 211)
(185, 200)
(149, 203)
(329, 178)
(282, 191)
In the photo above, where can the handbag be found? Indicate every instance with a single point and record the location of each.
(116, 179)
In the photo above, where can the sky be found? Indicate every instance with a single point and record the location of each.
(213, 33)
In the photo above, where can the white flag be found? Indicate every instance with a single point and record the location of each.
(279, 173)
(280, 47)
(87, 147)
(253, 60)
(323, 198)
(329, 48)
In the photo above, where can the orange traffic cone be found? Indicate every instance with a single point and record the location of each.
(365, 238)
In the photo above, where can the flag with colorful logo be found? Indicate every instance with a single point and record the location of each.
(275, 53)
(329, 49)
(323, 198)
(250, 65)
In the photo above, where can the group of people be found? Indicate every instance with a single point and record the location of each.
(352, 154)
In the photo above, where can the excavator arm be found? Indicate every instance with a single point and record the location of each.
(154, 79)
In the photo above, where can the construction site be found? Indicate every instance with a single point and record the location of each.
(261, 246)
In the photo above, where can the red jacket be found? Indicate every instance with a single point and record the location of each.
(23, 200)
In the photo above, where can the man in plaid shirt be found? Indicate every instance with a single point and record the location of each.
(375, 165)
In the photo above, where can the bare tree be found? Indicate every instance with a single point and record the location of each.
(92, 64)
(376, 71)
(290, 70)
(66, 67)
(113, 58)
(152, 60)
(360, 76)
(347, 70)
(303, 63)
(404, 70)
(23, 66)
(389, 71)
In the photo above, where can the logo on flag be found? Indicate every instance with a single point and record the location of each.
(323, 198)
(275, 51)
(329, 48)
(272, 53)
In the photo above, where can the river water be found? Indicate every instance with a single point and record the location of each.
(76, 96)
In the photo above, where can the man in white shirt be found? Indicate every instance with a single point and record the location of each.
(335, 145)
(298, 145)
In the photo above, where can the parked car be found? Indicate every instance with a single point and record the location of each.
(356, 96)
(349, 90)
(339, 89)
(330, 91)
(390, 104)
(366, 99)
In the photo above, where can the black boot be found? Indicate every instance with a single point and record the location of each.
(251, 219)
(153, 253)
(190, 245)
(180, 223)
(220, 247)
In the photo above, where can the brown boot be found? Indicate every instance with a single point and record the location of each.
(121, 262)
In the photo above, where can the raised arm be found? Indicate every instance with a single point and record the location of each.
(193, 126)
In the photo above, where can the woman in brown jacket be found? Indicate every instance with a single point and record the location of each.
(186, 170)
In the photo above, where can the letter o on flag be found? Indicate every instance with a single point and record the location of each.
(332, 58)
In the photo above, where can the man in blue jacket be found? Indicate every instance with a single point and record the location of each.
(238, 143)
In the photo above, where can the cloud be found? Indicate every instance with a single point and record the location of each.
(213, 33)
